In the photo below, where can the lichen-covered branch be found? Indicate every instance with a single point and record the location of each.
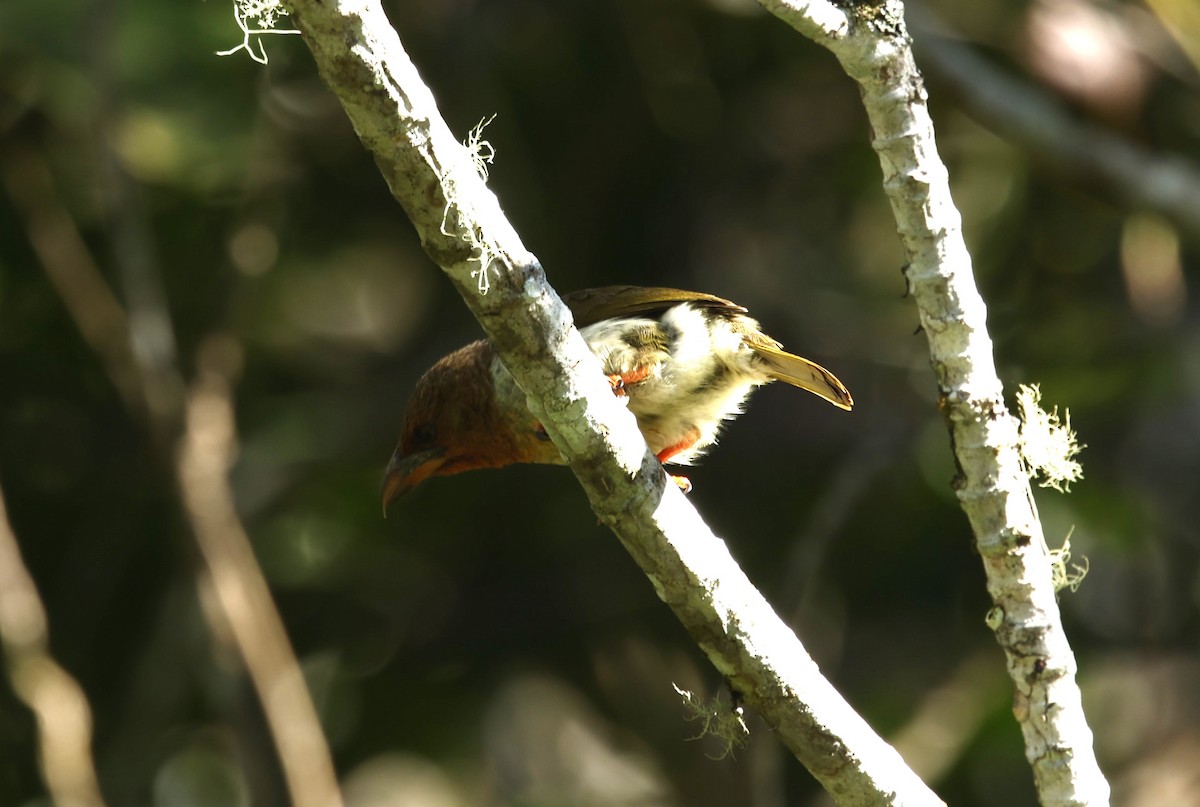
(873, 46)
(463, 229)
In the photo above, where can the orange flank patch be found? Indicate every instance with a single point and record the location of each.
(620, 381)
(687, 442)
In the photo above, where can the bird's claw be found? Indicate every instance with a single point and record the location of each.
(682, 482)
(620, 381)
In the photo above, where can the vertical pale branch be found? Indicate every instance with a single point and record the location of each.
(461, 226)
(873, 46)
(58, 703)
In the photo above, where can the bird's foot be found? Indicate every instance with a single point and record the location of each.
(689, 439)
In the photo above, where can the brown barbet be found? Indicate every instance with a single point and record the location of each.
(684, 362)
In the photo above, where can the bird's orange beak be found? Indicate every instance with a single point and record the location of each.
(405, 473)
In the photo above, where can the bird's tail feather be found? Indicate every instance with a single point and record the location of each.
(802, 373)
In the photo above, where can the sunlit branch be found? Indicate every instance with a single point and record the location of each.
(461, 226)
(874, 49)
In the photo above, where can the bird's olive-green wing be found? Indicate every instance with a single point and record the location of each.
(590, 306)
(593, 305)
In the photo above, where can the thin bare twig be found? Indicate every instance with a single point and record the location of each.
(64, 719)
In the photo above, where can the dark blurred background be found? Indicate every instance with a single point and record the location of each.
(489, 644)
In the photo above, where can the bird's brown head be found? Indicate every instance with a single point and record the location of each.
(457, 422)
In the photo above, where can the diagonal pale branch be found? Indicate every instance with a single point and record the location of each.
(875, 50)
(249, 615)
(71, 270)
(461, 226)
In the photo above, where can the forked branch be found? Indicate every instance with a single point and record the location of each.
(462, 228)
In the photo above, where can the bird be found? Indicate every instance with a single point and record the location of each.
(683, 361)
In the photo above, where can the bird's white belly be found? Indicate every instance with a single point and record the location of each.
(699, 374)
(675, 418)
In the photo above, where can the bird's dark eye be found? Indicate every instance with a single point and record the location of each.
(423, 436)
(540, 433)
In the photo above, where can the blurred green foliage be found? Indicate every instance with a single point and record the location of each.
(489, 643)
